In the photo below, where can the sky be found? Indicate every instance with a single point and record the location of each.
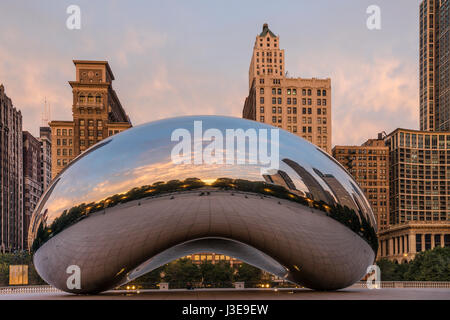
(173, 58)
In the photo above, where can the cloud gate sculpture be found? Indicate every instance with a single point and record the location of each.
(163, 190)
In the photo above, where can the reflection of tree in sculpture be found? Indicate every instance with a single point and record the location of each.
(69, 217)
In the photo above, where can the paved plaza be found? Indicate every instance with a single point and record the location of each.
(351, 293)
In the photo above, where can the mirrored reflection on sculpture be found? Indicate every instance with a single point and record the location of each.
(124, 208)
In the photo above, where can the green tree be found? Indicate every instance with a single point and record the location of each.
(180, 271)
(389, 270)
(218, 274)
(248, 273)
(430, 265)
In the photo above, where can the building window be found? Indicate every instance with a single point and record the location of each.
(324, 102)
(261, 91)
(261, 118)
(279, 100)
(289, 101)
(274, 100)
(294, 109)
(274, 119)
(280, 110)
(318, 102)
(418, 242)
(324, 93)
(261, 100)
(81, 122)
(274, 109)
(98, 99)
(294, 100)
(261, 109)
(58, 132)
(309, 92)
(318, 92)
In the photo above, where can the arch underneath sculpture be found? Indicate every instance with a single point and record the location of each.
(229, 247)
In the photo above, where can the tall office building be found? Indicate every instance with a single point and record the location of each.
(97, 113)
(419, 196)
(31, 178)
(45, 139)
(369, 165)
(434, 65)
(301, 106)
(11, 176)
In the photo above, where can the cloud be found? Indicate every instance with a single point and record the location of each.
(369, 95)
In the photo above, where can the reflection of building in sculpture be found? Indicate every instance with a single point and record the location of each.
(97, 114)
(316, 191)
(298, 105)
(343, 196)
(281, 178)
(200, 258)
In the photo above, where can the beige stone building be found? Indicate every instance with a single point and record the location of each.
(97, 113)
(369, 165)
(419, 198)
(301, 106)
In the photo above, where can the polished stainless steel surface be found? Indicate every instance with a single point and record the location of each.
(124, 207)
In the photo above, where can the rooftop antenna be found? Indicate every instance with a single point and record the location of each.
(45, 114)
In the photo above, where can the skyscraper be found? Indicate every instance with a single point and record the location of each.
(434, 65)
(97, 113)
(419, 195)
(45, 139)
(301, 106)
(31, 178)
(11, 175)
